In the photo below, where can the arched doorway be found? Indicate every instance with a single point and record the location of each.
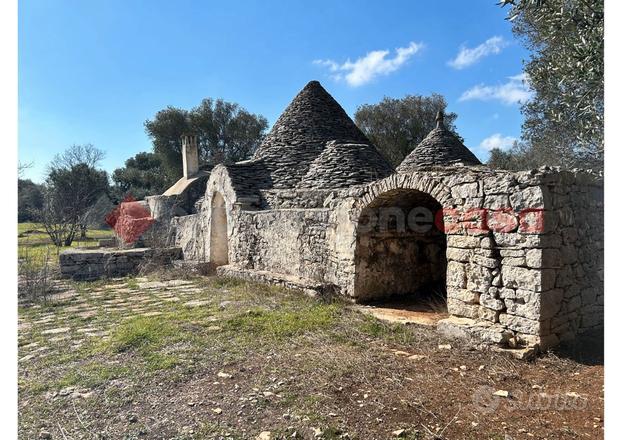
(219, 246)
(400, 251)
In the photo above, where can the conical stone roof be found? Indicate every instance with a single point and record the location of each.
(301, 133)
(341, 165)
(440, 147)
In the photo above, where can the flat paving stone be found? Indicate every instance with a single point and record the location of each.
(55, 331)
(87, 329)
(27, 357)
(196, 303)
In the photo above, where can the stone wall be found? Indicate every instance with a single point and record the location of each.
(523, 249)
(91, 264)
(577, 253)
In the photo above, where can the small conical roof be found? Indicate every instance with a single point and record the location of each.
(301, 133)
(341, 165)
(440, 147)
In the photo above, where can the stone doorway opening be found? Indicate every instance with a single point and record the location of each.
(401, 254)
(219, 241)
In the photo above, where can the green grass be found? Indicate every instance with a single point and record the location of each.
(35, 246)
(280, 323)
(142, 332)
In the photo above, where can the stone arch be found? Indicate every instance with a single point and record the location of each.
(219, 238)
(434, 186)
(400, 246)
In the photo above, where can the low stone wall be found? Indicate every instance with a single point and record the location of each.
(92, 264)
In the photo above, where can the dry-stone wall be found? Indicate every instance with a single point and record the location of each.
(91, 264)
(523, 249)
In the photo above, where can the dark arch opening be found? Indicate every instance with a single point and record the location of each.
(401, 251)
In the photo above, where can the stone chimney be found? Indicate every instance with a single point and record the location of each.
(190, 155)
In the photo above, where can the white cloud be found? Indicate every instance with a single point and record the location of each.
(363, 70)
(515, 91)
(497, 141)
(467, 56)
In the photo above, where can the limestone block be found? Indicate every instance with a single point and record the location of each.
(479, 278)
(497, 201)
(458, 254)
(487, 243)
(520, 324)
(568, 254)
(463, 241)
(512, 252)
(543, 258)
(489, 302)
(456, 274)
(506, 293)
(588, 296)
(464, 295)
(459, 308)
(490, 263)
(499, 184)
(565, 277)
(522, 277)
(487, 314)
(466, 190)
(530, 198)
(513, 261)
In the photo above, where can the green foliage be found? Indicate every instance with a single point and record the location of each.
(143, 175)
(73, 184)
(29, 199)
(226, 133)
(564, 120)
(396, 126)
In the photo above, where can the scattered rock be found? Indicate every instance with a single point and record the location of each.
(501, 393)
(224, 375)
(45, 435)
(401, 353)
(27, 357)
(398, 433)
(444, 346)
(66, 391)
(417, 357)
(264, 435)
(217, 411)
(82, 394)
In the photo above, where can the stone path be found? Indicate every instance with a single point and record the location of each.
(74, 316)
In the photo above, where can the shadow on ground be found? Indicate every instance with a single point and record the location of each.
(587, 349)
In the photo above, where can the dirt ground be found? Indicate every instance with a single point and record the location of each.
(213, 358)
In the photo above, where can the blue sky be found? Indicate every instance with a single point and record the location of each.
(94, 71)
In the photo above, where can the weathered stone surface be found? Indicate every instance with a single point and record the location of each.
(440, 147)
(91, 264)
(297, 214)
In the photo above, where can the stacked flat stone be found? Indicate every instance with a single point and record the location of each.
(341, 165)
(248, 177)
(301, 133)
(440, 147)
